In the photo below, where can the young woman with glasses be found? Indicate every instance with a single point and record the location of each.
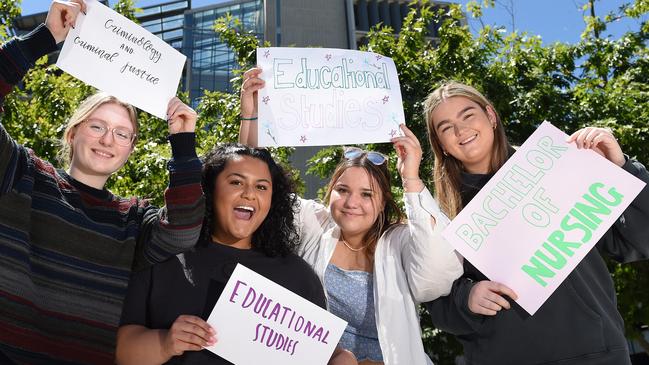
(67, 244)
(375, 268)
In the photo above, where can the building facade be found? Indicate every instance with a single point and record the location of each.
(300, 23)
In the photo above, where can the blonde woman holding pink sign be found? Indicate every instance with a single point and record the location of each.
(579, 323)
(375, 268)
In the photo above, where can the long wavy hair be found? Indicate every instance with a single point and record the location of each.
(277, 235)
(390, 215)
(447, 169)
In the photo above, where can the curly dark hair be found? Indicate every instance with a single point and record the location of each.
(277, 235)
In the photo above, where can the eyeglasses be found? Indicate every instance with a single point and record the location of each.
(376, 158)
(97, 128)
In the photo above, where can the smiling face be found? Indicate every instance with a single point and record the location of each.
(355, 202)
(94, 159)
(242, 196)
(466, 132)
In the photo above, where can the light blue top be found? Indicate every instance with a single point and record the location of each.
(350, 296)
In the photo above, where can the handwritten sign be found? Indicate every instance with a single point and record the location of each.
(540, 214)
(323, 96)
(115, 55)
(260, 322)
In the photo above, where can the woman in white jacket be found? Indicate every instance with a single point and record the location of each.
(375, 268)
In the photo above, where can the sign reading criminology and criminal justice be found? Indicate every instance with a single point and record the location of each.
(540, 214)
(115, 55)
(322, 96)
(261, 322)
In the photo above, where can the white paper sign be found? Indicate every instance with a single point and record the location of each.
(117, 56)
(324, 96)
(540, 214)
(261, 322)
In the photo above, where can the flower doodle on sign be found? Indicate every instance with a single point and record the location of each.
(328, 56)
(267, 53)
(269, 133)
(303, 138)
(393, 133)
(265, 99)
(386, 99)
(367, 63)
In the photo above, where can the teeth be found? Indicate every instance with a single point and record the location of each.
(103, 154)
(250, 209)
(468, 139)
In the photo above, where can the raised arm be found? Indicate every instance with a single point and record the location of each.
(16, 58)
(249, 110)
(176, 227)
(430, 263)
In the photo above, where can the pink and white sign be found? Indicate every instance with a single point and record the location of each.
(540, 214)
(326, 96)
(261, 322)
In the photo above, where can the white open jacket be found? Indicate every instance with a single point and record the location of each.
(412, 264)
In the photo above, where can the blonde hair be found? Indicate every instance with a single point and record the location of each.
(447, 169)
(85, 109)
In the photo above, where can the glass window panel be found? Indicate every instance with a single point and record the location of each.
(174, 6)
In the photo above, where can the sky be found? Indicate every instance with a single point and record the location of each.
(553, 20)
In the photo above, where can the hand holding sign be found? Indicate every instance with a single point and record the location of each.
(110, 52)
(409, 156)
(61, 16)
(180, 117)
(260, 321)
(559, 199)
(600, 140)
(486, 297)
(187, 333)
(249, 91)
(326, 96)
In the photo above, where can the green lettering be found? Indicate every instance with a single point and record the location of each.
(558, 262)
(617, 197)
(538, 271)
(557, 238)
(590, 210)
(569, 227)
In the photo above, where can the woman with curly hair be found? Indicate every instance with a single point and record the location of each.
(249, 220)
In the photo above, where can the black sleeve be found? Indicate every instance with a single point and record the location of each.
(136, 303)
(451, 313)
(628, 239)
(311, 289)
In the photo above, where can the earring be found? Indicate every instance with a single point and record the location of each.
(494, 126)
(445, 153)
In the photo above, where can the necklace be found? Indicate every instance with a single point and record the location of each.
(352, 248)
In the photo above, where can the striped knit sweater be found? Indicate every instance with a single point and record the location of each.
(67, 250)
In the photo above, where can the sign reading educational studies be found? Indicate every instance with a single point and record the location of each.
(321, 96)
(117, 56)
(540, 214)
(261, 322)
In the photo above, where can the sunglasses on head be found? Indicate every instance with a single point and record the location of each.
(376, 158)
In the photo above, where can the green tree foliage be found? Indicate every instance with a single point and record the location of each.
(597, 81)
(9, 10)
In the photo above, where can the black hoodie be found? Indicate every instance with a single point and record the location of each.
(578, 324)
